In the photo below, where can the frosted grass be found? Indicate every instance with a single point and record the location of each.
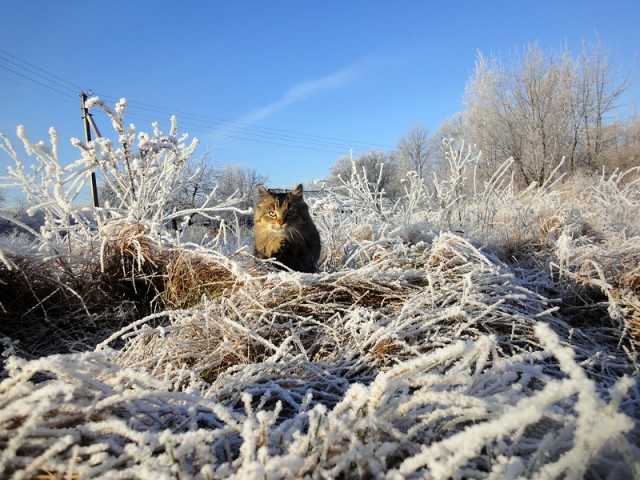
(464, 330)
(457, 410)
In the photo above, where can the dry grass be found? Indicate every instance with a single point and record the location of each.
(235, 318)
(197, 360)
(59, 303)
(617, 275)
(425, 349)
(192, 277)
(131, 258)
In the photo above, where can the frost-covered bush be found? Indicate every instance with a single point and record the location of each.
(143, 173)
(358, 222)
(50, 188)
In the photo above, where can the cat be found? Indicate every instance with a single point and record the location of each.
(283, 230)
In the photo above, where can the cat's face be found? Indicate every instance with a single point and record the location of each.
(279, 212)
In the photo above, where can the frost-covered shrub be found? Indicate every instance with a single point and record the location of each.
(143, 173)
(358, 222)
(51, 189)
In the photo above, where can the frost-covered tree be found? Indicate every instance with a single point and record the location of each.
(379, 168)
(596, 93)
(242, 183)
(542, 106)
(519, 110)
(241, 180)
(416, 150)
(623, 148)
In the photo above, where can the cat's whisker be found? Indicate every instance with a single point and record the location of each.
(295, 235)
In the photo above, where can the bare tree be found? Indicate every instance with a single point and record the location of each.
(520, 111)
(623, 148)
(201, 177)
(455, 126)
(541, 107)
(380, 169)
(415, 150)
(600, 92)
(240, 181)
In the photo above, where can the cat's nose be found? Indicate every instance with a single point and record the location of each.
(280, 221)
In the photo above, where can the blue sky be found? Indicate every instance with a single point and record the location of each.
(285, 87)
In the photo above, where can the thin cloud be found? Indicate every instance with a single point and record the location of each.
(298, 93)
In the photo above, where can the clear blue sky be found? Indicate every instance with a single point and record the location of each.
(303, 81)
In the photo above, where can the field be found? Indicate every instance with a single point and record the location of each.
(466, 330)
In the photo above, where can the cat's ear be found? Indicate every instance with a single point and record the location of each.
(263, 191)
(297, 192)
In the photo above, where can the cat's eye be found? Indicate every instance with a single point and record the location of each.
(272, 213)
(291, 213)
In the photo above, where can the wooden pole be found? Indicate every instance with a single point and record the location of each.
(88, 124)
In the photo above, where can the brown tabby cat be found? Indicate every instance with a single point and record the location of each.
(283, 230)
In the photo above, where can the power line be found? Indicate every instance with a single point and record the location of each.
(268, 140)
(35, 81)
(32, 87)
(198, 122)
(234, 132)
(74, 86)
(240, 125)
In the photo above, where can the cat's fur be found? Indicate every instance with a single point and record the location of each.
(284, 230)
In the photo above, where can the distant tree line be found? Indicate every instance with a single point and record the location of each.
(537, 108)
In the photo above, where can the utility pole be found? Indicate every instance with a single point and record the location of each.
(88, 125)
